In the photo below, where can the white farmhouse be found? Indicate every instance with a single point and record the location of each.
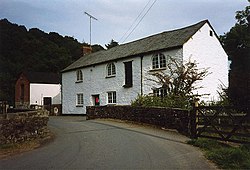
(118, 75)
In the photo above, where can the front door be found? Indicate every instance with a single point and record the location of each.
(47, 101)
(96, 100)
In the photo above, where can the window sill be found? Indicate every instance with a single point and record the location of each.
(79, 105)
(127, 85)
(110, 76)
(157, 69)
(79, 81)
(111, 104)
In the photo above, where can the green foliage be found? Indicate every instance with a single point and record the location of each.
(233, 158)
(225, 156)
(206, 143)
(112, 44)
(224, 99)
(8, 146)
(236, 43)
(167, 101)
(96, 48)
(180, 78)
(33, 50)
(178, 82)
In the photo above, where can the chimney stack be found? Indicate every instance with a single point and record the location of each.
(86, 50)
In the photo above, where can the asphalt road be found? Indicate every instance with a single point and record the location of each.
(105, 144)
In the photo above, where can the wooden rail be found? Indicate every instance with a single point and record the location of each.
(222, 123)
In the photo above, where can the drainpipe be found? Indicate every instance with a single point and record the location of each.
(141, 77)
(61, 88)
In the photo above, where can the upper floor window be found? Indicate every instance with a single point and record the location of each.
(111, 70)
(79, 76)
(158, 61)
(211, 33)
(128, 74)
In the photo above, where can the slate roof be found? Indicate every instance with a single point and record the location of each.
(42, 77)
(165, 40)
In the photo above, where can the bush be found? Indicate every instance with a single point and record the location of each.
(167, 101)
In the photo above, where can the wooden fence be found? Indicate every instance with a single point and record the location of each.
(221, 123)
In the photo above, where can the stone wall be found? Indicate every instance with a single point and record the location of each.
(23, 126)
(161, 117)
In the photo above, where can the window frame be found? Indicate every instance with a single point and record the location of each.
(79, 76)
(79, 100)
(160, 92)
(128, 67)
(211, 33)
(111, 97)
(159, 61)
(110, 70)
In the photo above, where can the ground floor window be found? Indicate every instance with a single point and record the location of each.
(160, 92)
(79, 99)
(112, 97)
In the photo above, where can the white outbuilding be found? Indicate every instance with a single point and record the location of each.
(37, 89)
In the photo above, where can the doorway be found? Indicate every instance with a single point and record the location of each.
(47, 101)
(96, 100)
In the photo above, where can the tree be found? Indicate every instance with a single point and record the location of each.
(237, 45)
(31, 50)
(180, 79)
(178, 83)
(112, 44)
(96, 47)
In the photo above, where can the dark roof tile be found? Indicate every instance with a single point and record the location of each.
(42, 77)
(161, 41)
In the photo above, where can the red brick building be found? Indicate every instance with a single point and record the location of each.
(23, 86)
(22, 92)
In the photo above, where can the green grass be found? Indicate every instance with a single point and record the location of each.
(225, 156)
(8, 146)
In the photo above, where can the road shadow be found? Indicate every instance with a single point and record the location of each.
(181, 139)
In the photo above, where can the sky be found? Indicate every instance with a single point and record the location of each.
(116, 17)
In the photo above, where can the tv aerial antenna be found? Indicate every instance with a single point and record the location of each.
(90, 18)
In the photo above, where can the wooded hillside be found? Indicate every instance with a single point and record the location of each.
(32, 50)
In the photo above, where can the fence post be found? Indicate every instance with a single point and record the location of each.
(193, 120)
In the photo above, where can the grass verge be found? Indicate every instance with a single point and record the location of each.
(224, 155)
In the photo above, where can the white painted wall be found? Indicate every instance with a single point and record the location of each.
(208, 52)
(39, 91)
(148, 84)
(95, 83)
